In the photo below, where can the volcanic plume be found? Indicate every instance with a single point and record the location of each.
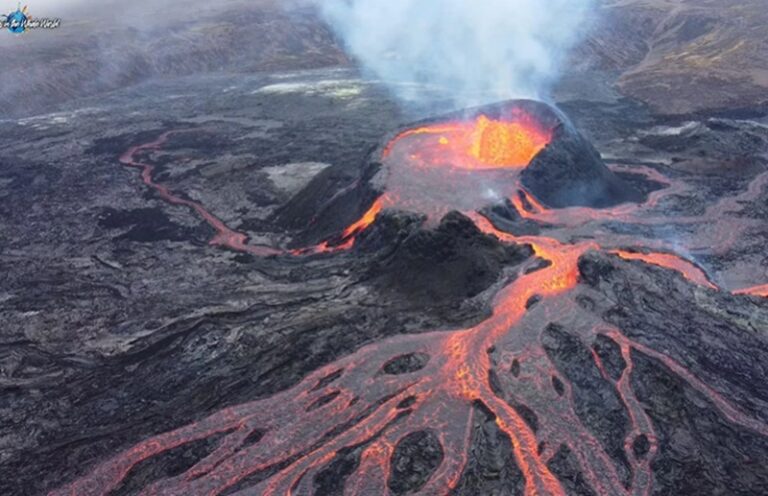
(480, 52)
(434, 385)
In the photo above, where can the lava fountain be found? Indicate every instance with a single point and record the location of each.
(479, 143)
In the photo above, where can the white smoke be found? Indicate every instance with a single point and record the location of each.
(478, 50)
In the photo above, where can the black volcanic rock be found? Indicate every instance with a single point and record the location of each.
(446, 264)
(506, 217)
(492, 469)
(415, 459)
(149, 225)
(570, 172)
(595, 401)
(108, 341)
(720, 339)
(388, 231)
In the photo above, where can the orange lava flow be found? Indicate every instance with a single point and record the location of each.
(348, 236)
(353, 402)
(754, 291)
(225, 236)
(366, 220)
(670, 261)
(526, 205)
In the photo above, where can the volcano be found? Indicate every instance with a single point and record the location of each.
(519, 151)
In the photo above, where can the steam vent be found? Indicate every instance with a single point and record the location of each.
(520, 151)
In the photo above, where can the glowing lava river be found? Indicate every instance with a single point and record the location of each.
(380, 396)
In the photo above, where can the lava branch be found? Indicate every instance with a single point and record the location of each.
(356, 401)
(225, 236)
(754, 291)
(349, 235)
(640, 422)
(732, 413)
(670, 261)
(451, 382)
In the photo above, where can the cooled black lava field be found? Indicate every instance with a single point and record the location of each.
(283, 284)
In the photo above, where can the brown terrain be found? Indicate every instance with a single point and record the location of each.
(679, 57)
(684, 56)
(96, 52)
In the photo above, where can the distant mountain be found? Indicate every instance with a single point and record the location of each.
(90, 56)
(683, 56)
(679, 56)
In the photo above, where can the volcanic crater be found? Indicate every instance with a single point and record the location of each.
(521, 150)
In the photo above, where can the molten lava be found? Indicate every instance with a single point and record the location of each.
(366, 220)
(761, 290)
(506, 144)
(479, 143)
(672, 262)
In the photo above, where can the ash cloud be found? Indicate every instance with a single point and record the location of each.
(478, 51)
